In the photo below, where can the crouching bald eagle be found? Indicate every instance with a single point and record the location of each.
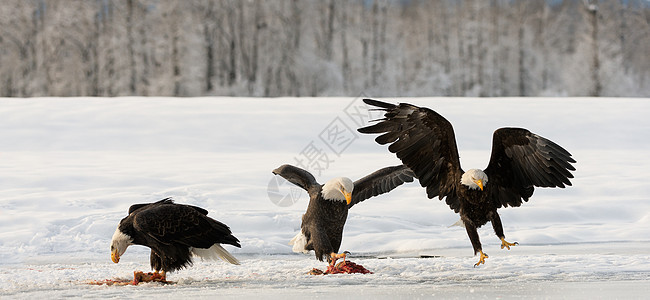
(520, 160)
(174, 232)
(322, 224)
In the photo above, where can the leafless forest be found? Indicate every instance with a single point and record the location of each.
(324, 48)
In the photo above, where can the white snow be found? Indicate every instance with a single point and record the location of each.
(71, 167)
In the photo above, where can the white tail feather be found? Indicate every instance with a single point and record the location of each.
(299, 242)
(214, 252)
(458, 223)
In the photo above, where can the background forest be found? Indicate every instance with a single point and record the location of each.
(324, 48)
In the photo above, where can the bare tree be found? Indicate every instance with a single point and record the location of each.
(592, 11)
(345, 63)
(249, 47)
(131, 45)
(19, 25)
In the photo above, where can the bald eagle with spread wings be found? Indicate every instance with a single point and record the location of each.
(520, 161)
(322, 224)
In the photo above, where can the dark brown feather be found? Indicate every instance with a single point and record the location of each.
(299, 177)
(520, 160)
(425, 142)
(323, 222)
(380, 182)
(171, 230)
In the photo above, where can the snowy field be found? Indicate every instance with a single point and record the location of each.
(70, 168)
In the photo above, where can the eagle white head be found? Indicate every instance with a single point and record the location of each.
(338, 189)
(474, 179)
(120, 242)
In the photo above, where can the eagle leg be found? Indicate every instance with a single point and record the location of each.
(505, 244)
(498, 229)
(482, 259)
(476, 242)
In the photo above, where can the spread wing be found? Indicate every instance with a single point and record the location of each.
(425, 142)
(379, 182)
(520, 161)
(298, 176)
(176, 223)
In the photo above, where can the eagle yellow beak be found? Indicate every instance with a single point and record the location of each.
(115, 257)
(479, 183)
(348, 197)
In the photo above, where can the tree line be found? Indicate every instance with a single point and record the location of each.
(488, 48)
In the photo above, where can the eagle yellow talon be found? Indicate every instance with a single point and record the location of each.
(162, 274)
(482, 259)
(505, 244)
(335, 256)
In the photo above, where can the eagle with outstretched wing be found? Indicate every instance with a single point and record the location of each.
(520, 161)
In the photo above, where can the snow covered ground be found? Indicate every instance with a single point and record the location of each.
(70, 168)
